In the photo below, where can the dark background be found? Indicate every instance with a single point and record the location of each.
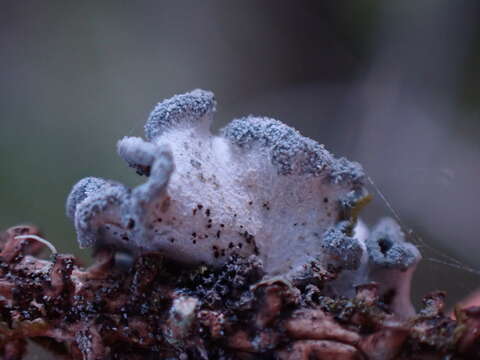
(394, 85)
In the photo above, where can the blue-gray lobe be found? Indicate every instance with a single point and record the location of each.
(105, 206)
(344, 170)
(144, 196)
(81, 191)
(387, 246)
(341, 249)
(189, 107)
(291, 153)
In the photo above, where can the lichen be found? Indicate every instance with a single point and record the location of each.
(246, 244)
(257, 188)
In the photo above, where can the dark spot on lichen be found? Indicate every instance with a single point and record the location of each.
(196, 164)
(131, 224)
(165, 204)
(385, 245)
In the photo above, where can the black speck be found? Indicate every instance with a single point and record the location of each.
(385, 245)
(194, 234)
(200, 206)
(172, 240)
(209, 226)
(159, 219)
(131, 224)
(194, 241)
(194, 212)
(325, 200)
(207, 212)
(218, 234)
(250, 202)
(215, 251)
(230, 246)
(221, 225)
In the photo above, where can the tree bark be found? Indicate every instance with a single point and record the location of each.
(156, 309)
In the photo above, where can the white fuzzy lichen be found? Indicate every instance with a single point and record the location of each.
(257, 188)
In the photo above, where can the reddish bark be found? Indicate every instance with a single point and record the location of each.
(160, 310)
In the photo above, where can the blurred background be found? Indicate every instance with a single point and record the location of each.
(393, 85)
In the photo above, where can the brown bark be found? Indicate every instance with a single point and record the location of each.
(157, 309)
